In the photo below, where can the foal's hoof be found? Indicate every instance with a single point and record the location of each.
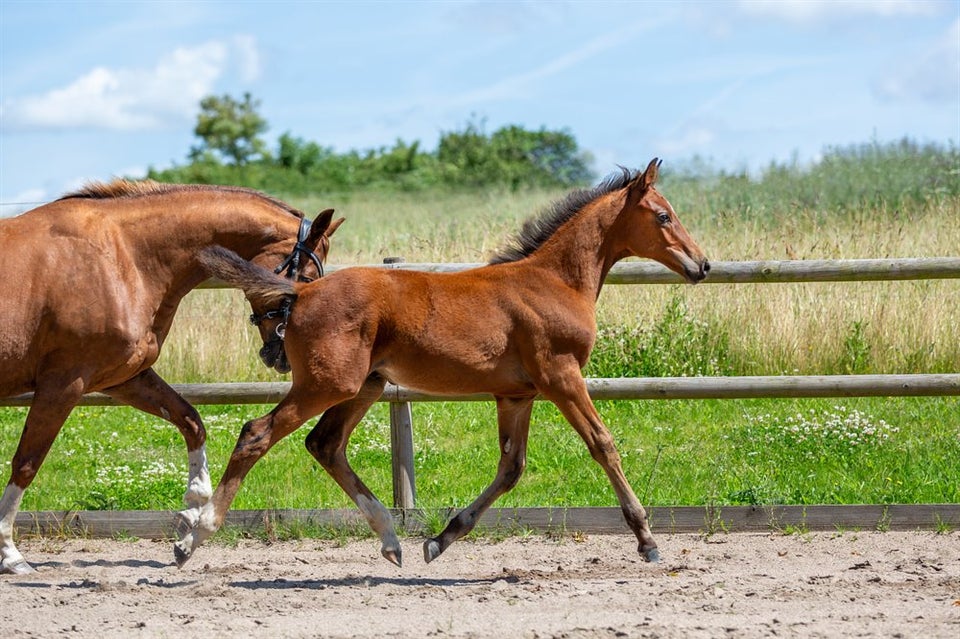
(652, 555)
(393, 555)
(16, 567)
(431, 550)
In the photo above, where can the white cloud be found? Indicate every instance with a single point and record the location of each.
(806, 11)
(128, 99)
(934, 76)
(690, 140)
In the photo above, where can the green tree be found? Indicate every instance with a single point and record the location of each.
(296, 153)
(229, 129)
(513, 156)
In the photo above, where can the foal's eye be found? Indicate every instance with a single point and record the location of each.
(663, 217)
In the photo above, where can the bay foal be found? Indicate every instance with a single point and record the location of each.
(521, 326)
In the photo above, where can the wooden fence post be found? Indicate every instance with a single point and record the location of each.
(401, 440)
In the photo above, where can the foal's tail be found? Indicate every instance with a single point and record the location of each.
(258, 284)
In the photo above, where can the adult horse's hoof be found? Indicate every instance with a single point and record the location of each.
(431, 550)
(16, 567)
(652, 555)
(185, 523)
(180, 555)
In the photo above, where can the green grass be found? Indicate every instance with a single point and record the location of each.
(871, 450)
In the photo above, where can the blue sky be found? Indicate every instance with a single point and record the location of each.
(89, 90)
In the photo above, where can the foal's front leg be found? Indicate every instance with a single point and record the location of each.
(513, 419)
(571, 397)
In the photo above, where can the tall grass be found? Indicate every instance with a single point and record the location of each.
(824, 328)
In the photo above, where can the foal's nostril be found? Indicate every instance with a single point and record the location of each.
(706, 266)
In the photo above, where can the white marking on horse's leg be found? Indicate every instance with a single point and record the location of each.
(199, 489)
(381, 521)
(197, 497)
(11, 561)
(195, 526)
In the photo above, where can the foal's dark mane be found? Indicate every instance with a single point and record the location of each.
(539, 229)
(120, 188)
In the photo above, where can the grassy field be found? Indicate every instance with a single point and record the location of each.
(876, 450)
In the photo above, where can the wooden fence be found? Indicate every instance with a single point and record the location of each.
(629, 389)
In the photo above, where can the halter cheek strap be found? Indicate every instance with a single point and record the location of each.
(291, 265)
(283, 313)
(291, 268)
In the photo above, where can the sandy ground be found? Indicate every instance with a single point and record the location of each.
(855, 584)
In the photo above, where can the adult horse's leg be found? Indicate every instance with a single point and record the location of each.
(53, 400)
(327, 442)
(570, 395)
(513, 419)
(256, 438)
(149, 393)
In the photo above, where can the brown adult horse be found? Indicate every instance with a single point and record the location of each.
(521, 326)
(90, 287)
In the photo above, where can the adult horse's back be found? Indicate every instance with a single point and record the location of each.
(90, 287)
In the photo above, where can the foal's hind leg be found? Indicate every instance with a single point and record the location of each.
(571, 397)
(52, 403)
(327, 442)
(149, 393)
(513, 418)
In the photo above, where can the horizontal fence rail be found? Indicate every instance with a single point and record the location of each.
(159, 524)
(757, 272)
(601, 519)
(787, 386)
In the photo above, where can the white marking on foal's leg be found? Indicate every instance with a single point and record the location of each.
(11, 561)
(199, 489)
(381, 521)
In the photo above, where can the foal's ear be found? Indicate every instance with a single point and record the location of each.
(650, 175)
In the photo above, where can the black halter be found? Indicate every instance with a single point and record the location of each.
(292, 264)
(283, 313)
(292, 267)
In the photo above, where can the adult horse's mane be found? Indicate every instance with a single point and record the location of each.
(539, 229)
(121, 188)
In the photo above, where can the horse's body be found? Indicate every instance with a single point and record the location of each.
(91, 284)
(521, 326)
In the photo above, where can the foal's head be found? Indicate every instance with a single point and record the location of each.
(296, 259)
(649, 227)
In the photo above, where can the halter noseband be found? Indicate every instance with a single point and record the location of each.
(292, 264)
(283, 313)
(291, 267)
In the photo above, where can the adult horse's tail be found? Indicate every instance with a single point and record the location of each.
(262, 288)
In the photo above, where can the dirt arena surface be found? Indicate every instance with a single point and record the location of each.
(854, 584)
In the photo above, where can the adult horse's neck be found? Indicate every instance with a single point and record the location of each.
(164, 234)
(581, 251)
